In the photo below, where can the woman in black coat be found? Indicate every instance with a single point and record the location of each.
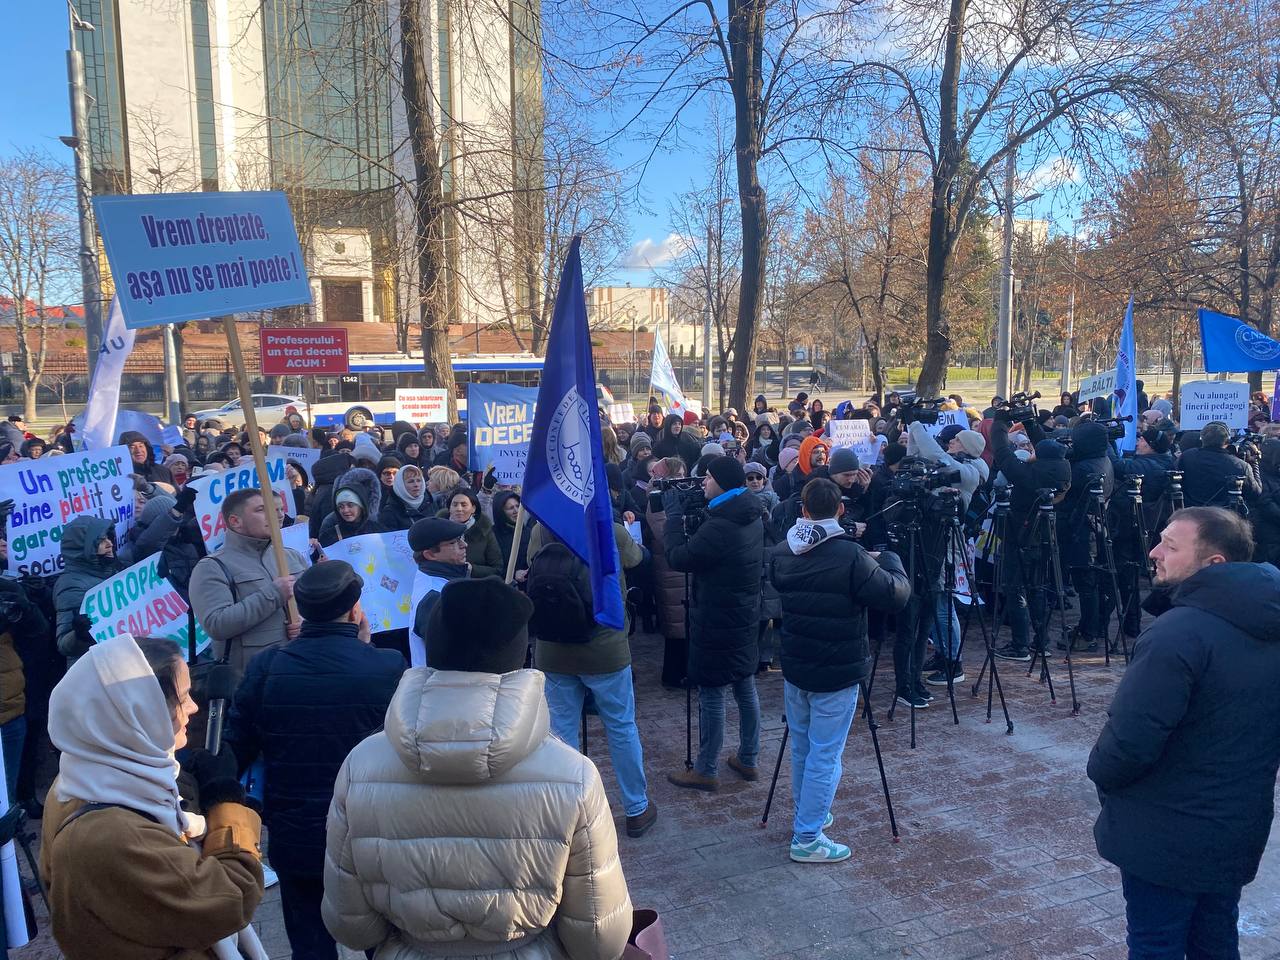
(674, 441)
(325, 473)
(407, 502)
(506, 506)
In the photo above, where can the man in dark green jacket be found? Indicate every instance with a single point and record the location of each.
(602, 665)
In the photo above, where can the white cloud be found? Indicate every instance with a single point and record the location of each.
(1053, 173)
(648, 253)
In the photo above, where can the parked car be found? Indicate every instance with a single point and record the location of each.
(270, 409)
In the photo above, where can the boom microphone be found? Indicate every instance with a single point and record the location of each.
(221, 688)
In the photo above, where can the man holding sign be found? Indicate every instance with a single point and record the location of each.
(238, 593)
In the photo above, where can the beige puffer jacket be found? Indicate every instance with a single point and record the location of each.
(465, 829)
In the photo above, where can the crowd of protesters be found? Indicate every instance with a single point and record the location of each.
(790, 569)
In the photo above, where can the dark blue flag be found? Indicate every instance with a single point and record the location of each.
(565, 486)
(1230, 346)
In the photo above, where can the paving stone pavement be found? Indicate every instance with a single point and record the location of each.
(996, 857)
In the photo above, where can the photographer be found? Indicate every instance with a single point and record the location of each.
(1022, 555)
(1090, 465)
(826, 583)
(1151, 462)
(1210, 471)
(960, 450)
(724, 554)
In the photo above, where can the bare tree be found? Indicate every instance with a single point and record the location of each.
(38, 245)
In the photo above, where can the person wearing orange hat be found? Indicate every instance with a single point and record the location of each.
(814, 452)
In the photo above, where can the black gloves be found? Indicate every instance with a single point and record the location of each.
(185, 502)
(215, 776)
(489, 481)
(83, 628)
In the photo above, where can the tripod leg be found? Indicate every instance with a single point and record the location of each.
(1056, 565)
(875, 664)
(688, 724)
(884, 780)
(988, 640)
(777, 768)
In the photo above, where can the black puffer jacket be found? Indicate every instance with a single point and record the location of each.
(1186, 765)
(827, 582)
(1265, 513)
(724, 555)
(1207, 475)
(1026, 478)
(303, 707)
(1088, 458)
(320, 503)
(683, 444)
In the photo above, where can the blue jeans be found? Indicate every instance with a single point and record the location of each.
(1168, 924)
(12, 735)
(819, 725)
(711, 724)
(615, 699)
(946, 622)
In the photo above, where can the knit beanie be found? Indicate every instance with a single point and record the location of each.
(948, 433)
(727, 472)
(365, 449)
(842, 460)
(711, 449)
(639, 439)
(786, 457)
(973, 442)
(494, 643)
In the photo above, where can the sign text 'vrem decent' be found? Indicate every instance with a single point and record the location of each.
(288, 351)
(189, 256)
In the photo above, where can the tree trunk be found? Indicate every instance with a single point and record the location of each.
(428, 205)
(184, 395)
(29, 400)
(1175, 364)
(746, 47)
(877, 372)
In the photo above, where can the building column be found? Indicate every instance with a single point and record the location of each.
(317, 299)
(366, 301)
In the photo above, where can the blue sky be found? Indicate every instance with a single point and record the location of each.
(34, 78)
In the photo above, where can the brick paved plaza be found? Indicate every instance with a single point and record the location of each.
(996, 857)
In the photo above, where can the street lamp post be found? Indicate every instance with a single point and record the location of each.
(79, 142)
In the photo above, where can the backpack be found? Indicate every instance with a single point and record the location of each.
(562, 608)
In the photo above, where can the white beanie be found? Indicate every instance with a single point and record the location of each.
(712, 449)
(973, 442)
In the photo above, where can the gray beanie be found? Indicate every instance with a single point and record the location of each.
(842, 460)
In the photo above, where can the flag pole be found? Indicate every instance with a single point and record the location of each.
(515, 544)
(259, 456)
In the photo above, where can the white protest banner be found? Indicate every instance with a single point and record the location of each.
(49, 493)
(947, 418)
(385, 562)
(211, 490)
(1102, 385)
(1204, 401)
(663, 378)
(621, 412)
(424, 584)
(99, 426)
(140, 602)
(307, 456)
(422, 406)
(847, 433)
(298, 538)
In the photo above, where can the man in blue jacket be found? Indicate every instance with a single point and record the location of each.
(303, 707)
(1186, 765)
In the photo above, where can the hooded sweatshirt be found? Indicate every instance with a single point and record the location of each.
(367, 488)
(466, 764)
(82, 570)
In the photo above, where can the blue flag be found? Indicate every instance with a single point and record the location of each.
(1126, 388)
(1230, 346)
(565, 486)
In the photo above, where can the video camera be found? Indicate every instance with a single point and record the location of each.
(1020, 407)
(929, 486)
(1115, 426)
(693, 502)
(921, 410)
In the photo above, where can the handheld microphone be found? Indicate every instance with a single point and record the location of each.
(221, 688)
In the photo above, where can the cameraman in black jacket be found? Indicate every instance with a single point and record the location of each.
(1210, 471)
(1022, 553)
(826, 582)
(1152, 462)
(1090, 465)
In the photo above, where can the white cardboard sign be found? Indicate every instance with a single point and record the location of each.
(1204, 401)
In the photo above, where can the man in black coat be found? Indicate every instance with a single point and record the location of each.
(1083, 555)
(826, 582)
(1210, 471)
(724, 555)
(1186, 764)
(303, 707)
(1023, 558)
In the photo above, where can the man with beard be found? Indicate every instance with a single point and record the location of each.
(1186, 764)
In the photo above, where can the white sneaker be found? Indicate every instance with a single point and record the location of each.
(822, 850)
(269, 877)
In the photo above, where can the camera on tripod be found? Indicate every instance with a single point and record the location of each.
(1020, 407)
(693, 502)
(921, 410)
(928, 485)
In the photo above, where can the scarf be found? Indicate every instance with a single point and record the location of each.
(400, 491)
(110, 720)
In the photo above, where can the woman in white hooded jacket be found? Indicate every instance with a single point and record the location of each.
(465, 828)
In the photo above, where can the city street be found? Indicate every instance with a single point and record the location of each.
(996, 858)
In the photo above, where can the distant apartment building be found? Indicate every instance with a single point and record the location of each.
(303, 96)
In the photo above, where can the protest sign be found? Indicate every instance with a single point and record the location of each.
(857, 436)
(189, 256)
(1102, 385)
(500, 422)
(298, 539)
(947, 418)
(213, 489)
(307, 456)
(140, 602)
(1204, 401)
(385, 563)
(47, 494)
(422, 406)
(293, 351)
(621, 412)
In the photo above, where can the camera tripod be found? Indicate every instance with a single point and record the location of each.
(1100, 536)
(1045, 525)
(873, 727)
(999, 532)
(1136, 566)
